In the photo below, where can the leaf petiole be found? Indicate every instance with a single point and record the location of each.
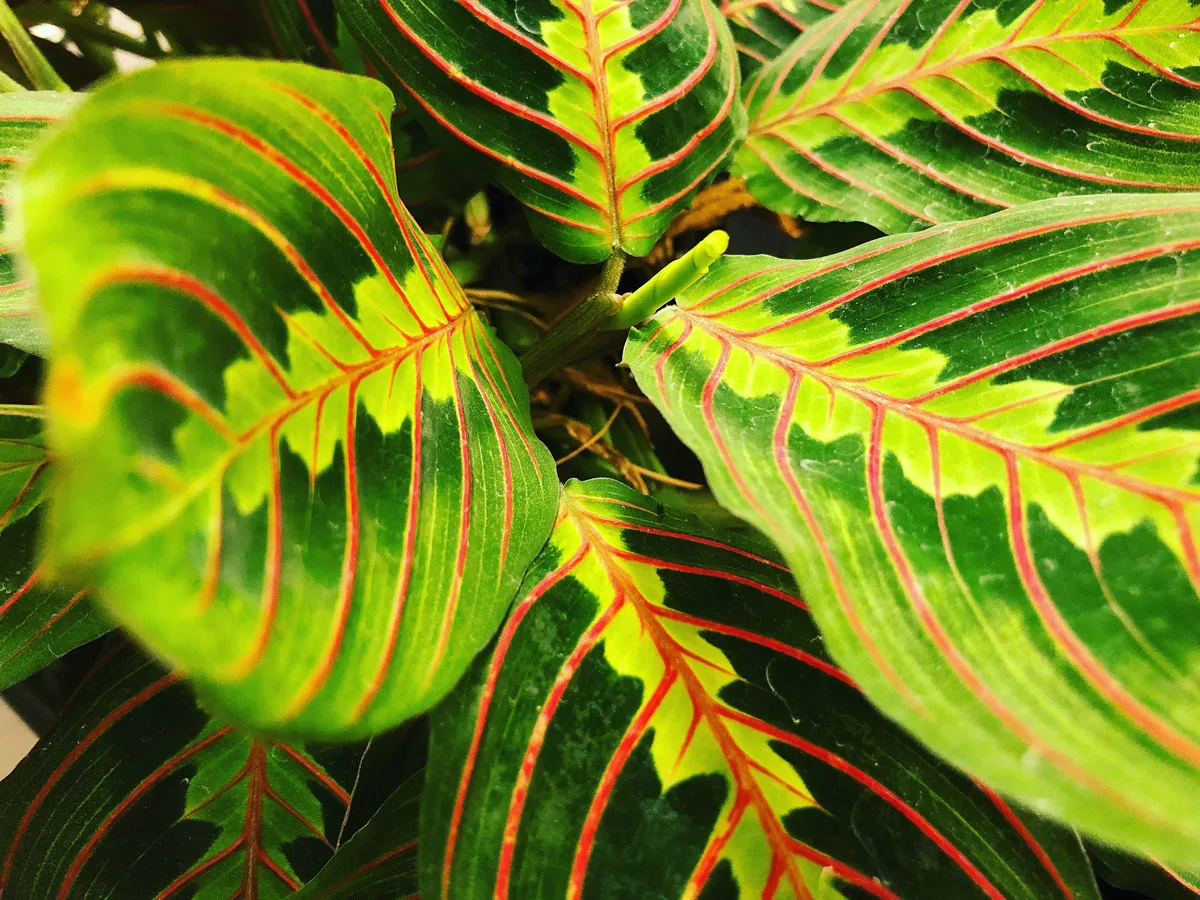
(561, 344)
(674, 278)
(37, 67)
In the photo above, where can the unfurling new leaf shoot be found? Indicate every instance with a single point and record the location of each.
(675, 277)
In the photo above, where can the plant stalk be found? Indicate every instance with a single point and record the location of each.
(41, 74)
(79, 27)
(560, 345)
(674, 278)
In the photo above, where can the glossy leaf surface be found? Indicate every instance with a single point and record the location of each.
(977, 447)
(39, 622)
(903, 113)
(658, 719)
(601, 117)
(292, 457)
(763, 29)
(23, 118)
(380, 861)
(428, 180)
(139, 794)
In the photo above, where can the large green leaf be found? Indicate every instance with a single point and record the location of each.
(139, 794)
(902, 113)
(762, 29)
(429, 180)
(977, 448)
(38, 622)
(601, 117)
(23, 118)
(658, 719)
(291, 456)
(380, 861)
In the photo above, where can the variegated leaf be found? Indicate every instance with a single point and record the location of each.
(39, 622)
(23, 118)
(658, 719)
(429, 180)
(902, 113)
(977, 448)
(139, 794)
(380, 861)
(291, 456)
(601, 116)
(763, 29)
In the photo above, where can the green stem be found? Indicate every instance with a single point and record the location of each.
(80, 27)
(674, 278)
(9, 85)
(560, 345)
(41, 73)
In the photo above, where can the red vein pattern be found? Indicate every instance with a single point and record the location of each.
(763, 29)
(725, 711)
(427, 179)
(70, 808)
(39, 620)
(344, 362)
(589, 175)
(1060, 98)
(960, 390)
(380, 860)
(298, 35)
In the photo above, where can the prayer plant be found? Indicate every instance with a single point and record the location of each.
(408, 490)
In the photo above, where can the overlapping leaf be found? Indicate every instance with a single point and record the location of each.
(978, 449)
(762, 29)
(658, 719)
(292, 457)
(310, 30)
(903, 113)
(1149, 878)
(602, 117)
(38, 622)
(23, 118)
(380, 861)
(139, 794)
(429, 181)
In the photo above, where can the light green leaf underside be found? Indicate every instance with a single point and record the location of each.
(978, 448)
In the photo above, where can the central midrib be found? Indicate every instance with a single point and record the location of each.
(1161, 493)
(600, 102)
